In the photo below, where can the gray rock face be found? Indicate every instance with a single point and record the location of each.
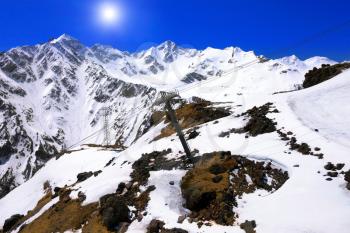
(192, 77)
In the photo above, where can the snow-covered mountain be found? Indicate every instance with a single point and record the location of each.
(53, 95)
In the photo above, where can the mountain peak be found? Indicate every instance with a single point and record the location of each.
(290, 60)
(62, 38)
(169, 50)
(318, 60)
(167, 44)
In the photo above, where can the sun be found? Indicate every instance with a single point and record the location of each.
(109, 13)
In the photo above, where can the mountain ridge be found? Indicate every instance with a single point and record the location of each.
(54, 93)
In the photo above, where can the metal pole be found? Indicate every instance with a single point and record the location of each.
(178, 129)
(106, 126)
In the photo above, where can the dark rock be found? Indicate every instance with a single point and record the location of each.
(113, 211)
(151, 188)
(181, 219)
(84, 176)
(339, 166)
(225, 134)
(110, 162)
(216, 169)
(7, 183)
(258, 122)
(56, 190)
(152, 162)
(174, 230)
(192, 135)
(198, 201)
(11, 222)
(5, 151)
(248, 226)
(347, 176)
(332, 174)
(171, 183)
(217, 179)
(318, 75)
(121, 188)
(129, 91)
(329, 179)
(81, 196)
(155, 226)
(192, 77)
(329, 166)
(317, 149)
(45, 152)
(96, 173)
(304, 148)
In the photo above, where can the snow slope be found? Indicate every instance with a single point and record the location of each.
(305, 203)
(325, 107)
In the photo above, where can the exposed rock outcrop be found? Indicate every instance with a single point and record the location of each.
(326, 72)
(210, 188)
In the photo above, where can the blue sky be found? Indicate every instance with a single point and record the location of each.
(274, 28)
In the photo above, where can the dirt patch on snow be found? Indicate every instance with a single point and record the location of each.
(112, 213)
(210, 189)
(114, 208)
(248, 226)
(66, 214)
(324, 73)
(190, 115)
(258, 123)
(302, 147)
(157, 226)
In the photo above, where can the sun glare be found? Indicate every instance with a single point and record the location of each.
(109, 14)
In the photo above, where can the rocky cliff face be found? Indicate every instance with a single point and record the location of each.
(51, 96)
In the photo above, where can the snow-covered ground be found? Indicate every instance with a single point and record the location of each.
(325, 107)
(305, 203)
